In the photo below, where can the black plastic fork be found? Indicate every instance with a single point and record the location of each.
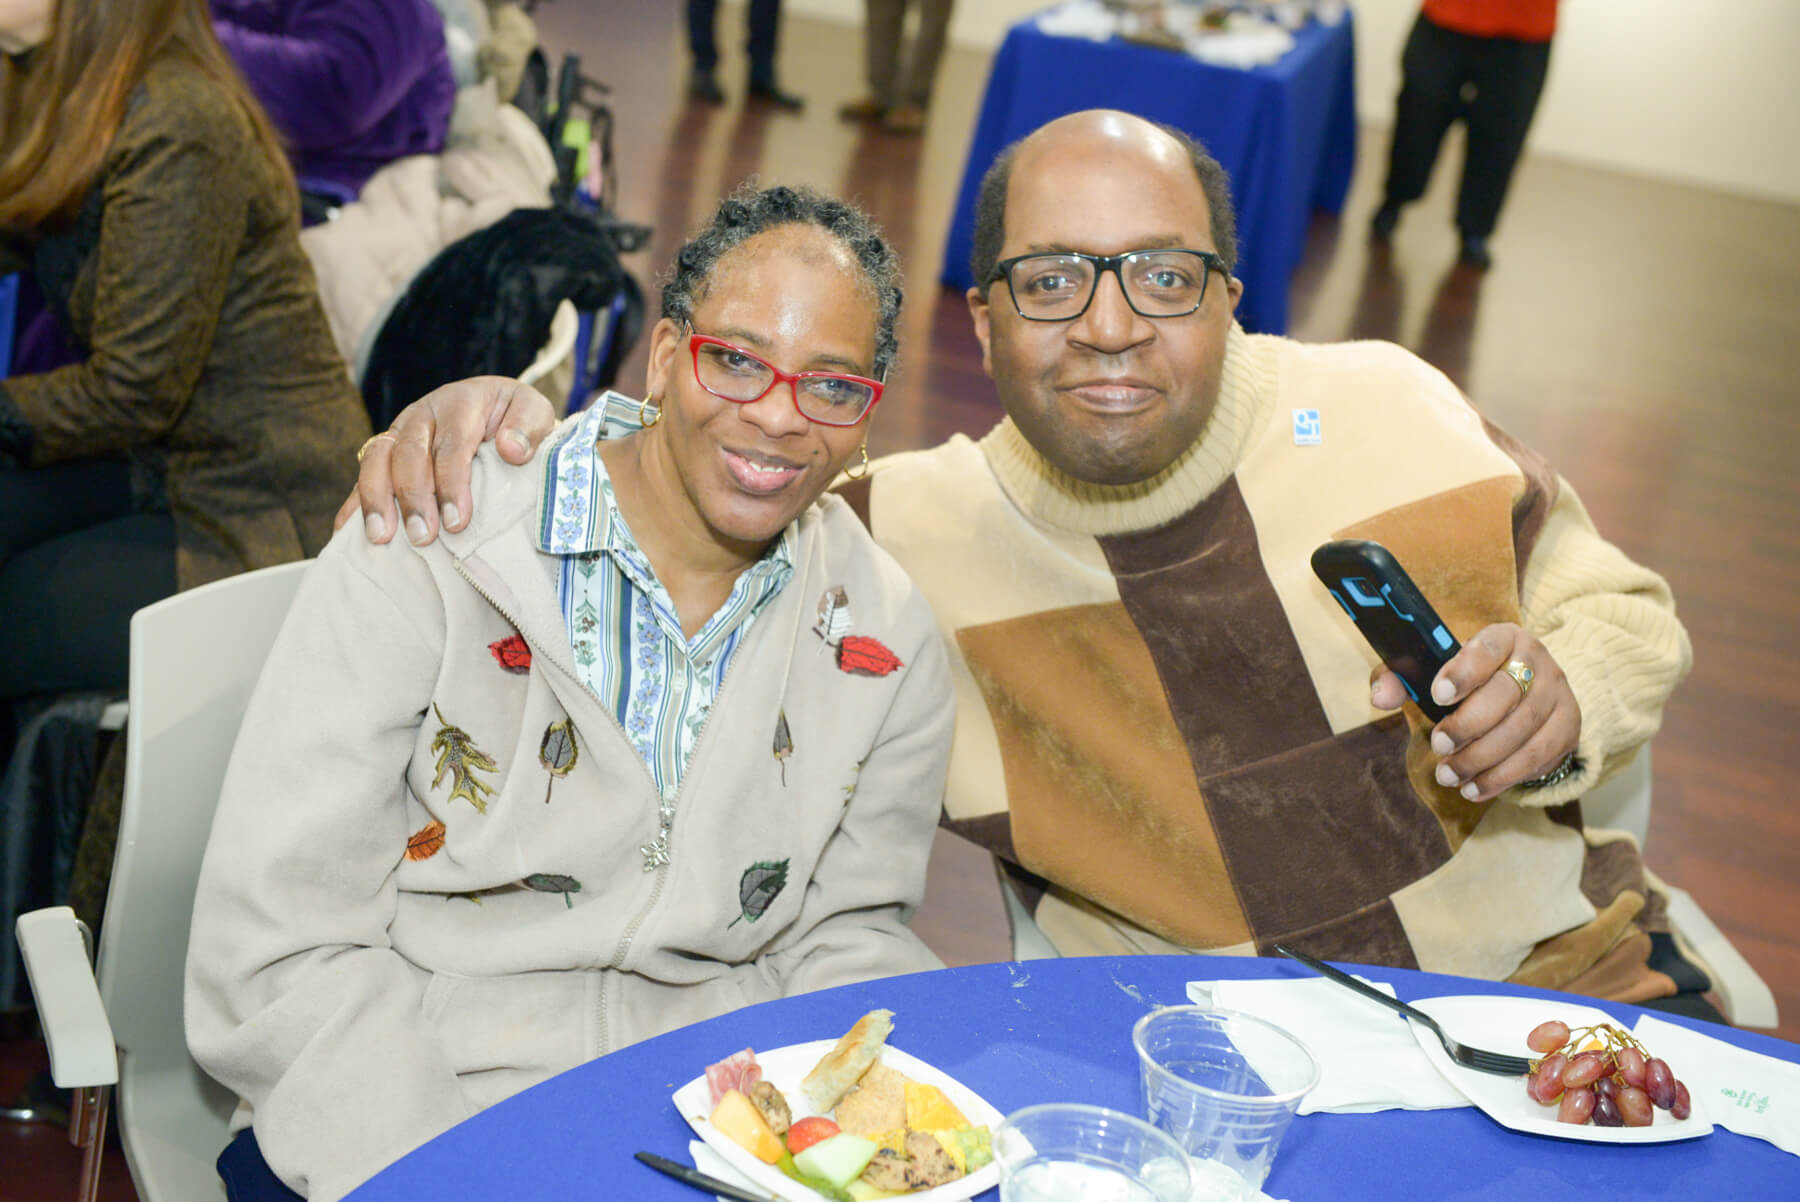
(1475, 1058)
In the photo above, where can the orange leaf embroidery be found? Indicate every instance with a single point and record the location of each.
(426, 842)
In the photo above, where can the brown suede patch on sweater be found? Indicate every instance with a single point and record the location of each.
(1101, 791)
(1457, 547)
(1608, 957)
(1532, 507)
(1218, 633)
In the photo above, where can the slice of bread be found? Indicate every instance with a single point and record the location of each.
(838, 1070)
(877, 1105)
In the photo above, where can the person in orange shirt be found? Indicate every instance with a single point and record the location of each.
(1485, 62)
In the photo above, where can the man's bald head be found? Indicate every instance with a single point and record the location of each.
(1097, 131)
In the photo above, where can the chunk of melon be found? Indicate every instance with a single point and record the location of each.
(738, 1119)
(839, 1160)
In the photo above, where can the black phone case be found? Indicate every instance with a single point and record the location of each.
(1391, 613)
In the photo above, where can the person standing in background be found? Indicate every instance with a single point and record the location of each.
(898, 98)
(1484, 61)
(764, 27)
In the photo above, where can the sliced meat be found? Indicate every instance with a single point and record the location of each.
(737, 1071)
(931, 1165)
(924, 1166)
(888, 1171)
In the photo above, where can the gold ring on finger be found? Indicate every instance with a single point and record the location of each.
(371, 441)
(1521, 674)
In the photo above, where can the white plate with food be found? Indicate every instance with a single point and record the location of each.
(866, 1097)
(1501, 1024)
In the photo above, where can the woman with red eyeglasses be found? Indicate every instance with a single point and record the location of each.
(658, 734)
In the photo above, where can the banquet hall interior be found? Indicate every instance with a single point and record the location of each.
(1641, 331)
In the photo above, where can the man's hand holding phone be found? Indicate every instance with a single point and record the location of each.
(1504, 711)
(1502, 732)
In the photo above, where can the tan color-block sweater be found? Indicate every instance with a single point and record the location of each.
(1164, 718)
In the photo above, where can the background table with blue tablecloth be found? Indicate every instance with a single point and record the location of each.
(1060, 1030)
(1286, 133)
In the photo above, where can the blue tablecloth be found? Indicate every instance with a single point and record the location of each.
(1060, 1030)
(1285, 132)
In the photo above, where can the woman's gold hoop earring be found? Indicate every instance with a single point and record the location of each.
(648, 413)
(864, 449)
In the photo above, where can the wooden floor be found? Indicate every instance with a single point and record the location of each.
(1645, 335)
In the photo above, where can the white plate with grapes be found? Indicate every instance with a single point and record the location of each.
(1625, 1092)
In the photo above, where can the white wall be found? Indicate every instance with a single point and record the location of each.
(1706, 91)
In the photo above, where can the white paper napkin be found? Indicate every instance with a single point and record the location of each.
(709, 1161)
(1368, 1059)
(1748, 1092)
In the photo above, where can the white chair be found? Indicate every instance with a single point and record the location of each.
(194, 659)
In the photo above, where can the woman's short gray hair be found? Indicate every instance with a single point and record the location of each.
(750, 211)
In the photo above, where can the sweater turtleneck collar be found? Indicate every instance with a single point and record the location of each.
(1246, 390)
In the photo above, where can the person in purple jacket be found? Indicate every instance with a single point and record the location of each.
(351, 84)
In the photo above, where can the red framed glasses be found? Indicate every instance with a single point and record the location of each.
(734, 374)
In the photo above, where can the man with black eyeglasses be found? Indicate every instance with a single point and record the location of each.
(1167, 730)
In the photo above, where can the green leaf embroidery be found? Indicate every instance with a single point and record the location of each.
(784, 743)
(758, 887)
(551, 882)
(458, 755)
(558, 753)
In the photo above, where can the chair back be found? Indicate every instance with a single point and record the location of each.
(195, 658)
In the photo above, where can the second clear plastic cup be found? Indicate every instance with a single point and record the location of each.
(1067, 1152)
(1225, 1085)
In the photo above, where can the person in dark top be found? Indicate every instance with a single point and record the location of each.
(351, 84)
(1483, 62)
(209, 425)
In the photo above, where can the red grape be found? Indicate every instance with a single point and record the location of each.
(1546, 1084)
(1659, 1083)
(1634, 1107)
(1548, 1036)
(1631, 1066)
(1606, 1112)
(1577, 1106)
(1583, 1069)
(1684, 1105)
(1608, 1086)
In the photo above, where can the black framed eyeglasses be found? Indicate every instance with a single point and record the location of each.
(1059, 286)
(735, 374)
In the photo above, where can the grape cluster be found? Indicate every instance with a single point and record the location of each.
(1600, 1074)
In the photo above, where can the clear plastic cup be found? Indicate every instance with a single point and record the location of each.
(1225, 1085)
(1067, 1152)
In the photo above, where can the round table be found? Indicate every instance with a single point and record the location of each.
(1059, 1030)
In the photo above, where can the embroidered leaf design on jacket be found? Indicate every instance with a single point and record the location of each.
(558, 753)
(512, 654)
(758, 887)
(426, 842)
(458, 755)
(551, 882)
(784, 743)
(834, 615)
(860, 655)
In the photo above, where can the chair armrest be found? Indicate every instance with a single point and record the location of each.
(1748, 1000)
(76, 1030)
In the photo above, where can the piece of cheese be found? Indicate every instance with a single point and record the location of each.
(927, 1109)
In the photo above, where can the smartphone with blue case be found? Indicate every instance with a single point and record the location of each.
(1392, 614)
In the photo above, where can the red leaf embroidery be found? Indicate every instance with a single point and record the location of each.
(863, 656)
(512, 653)
(426, 842)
